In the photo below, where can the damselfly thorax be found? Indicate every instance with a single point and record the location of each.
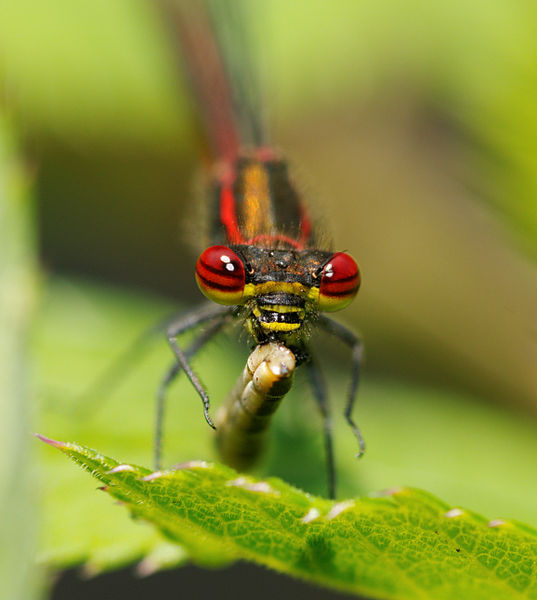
(269, 266)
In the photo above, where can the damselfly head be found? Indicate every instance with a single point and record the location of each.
(286, 285)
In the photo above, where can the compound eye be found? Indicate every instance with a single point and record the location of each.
(220, 275)
(339, 282)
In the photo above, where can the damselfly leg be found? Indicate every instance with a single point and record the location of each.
(184, 324)
(353, 341)
(319, 391)
(190, 321)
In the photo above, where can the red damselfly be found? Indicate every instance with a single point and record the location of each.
(266, 265)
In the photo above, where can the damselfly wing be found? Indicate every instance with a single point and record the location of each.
(266, 265)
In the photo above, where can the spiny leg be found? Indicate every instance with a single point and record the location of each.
(220, 321)
(220, 314)
(319, 391)
(354, 342)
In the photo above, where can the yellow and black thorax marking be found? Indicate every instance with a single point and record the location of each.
(282, 289)
(281, 307)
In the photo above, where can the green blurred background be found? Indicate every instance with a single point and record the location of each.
(411, 125)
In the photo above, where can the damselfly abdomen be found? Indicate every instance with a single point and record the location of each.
(266, 266)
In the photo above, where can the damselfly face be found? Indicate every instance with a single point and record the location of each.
(281, 288)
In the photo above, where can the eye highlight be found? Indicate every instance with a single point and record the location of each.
(339, 282)
(220, 275)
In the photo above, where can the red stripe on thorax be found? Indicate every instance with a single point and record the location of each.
(228, 215)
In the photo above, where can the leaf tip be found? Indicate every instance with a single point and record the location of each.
(146, 567)
(154, 475)
(338, 508)
(311, 515)
(192, 464)
(90, 570)
(121, 469)
(253, 486)
(50, 441)
(496, 523)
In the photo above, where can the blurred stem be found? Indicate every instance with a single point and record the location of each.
(17, 294)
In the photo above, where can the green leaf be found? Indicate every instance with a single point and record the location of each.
(405, 544)
(81, 330)
(459, 448)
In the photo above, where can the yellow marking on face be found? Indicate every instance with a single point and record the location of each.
(280, 326)
(257, 217)
(281, 308)
(313, 295)
(295, 287)
(249, 290)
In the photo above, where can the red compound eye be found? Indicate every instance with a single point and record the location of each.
(220, 275)
(339, 283)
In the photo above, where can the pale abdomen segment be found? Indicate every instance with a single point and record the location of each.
(242, 422)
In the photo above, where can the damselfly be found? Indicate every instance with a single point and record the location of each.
(265, 266)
